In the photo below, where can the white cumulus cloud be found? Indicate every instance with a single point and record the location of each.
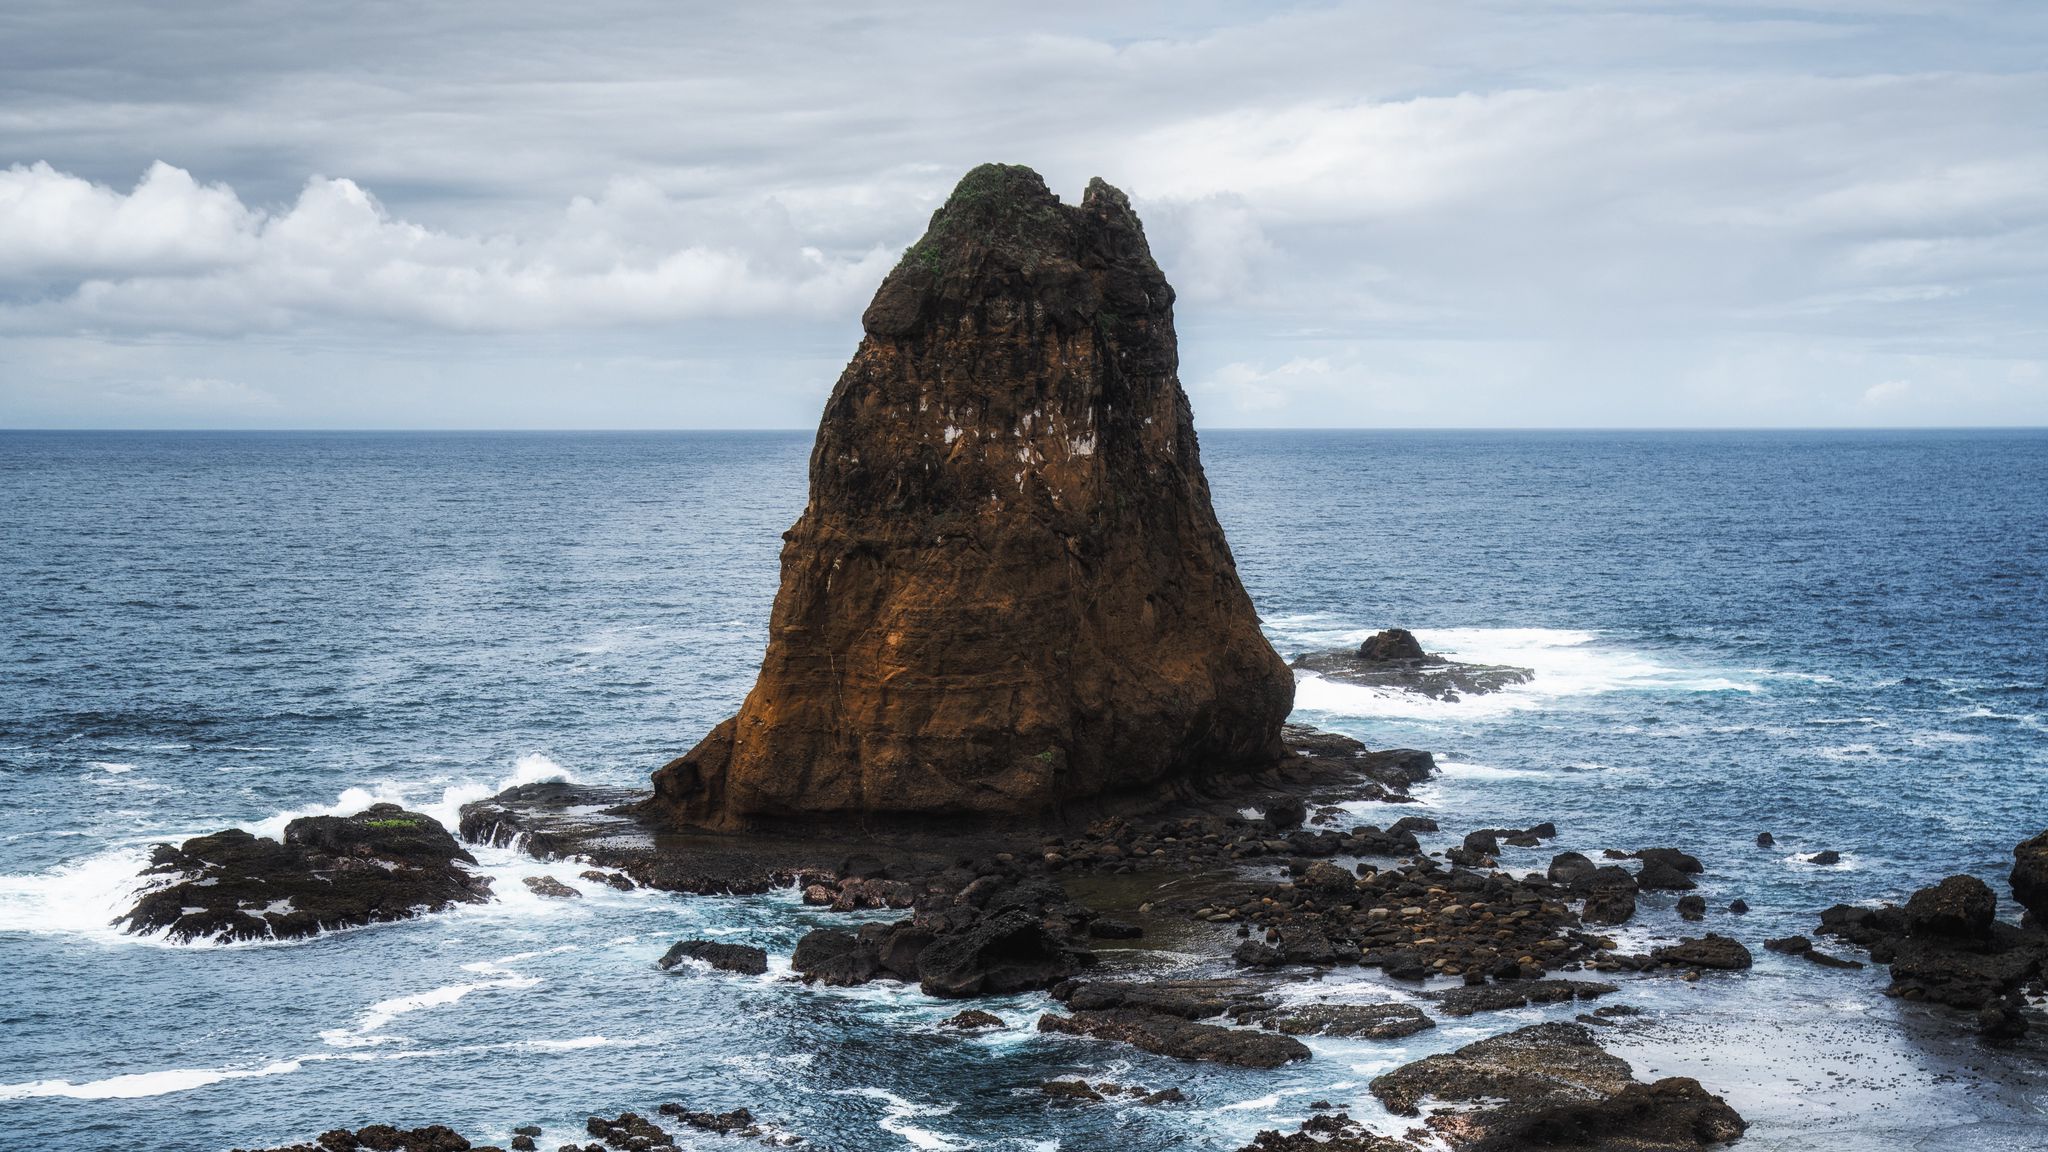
(175, 254)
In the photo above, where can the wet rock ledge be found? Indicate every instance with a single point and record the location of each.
(1548, 1086)
(611, 828)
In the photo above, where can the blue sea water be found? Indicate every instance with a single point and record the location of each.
(1835, 637)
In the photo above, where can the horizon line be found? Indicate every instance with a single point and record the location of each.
(480, 430)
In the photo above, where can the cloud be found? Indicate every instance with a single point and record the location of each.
(1472, 211)
(177, 255)
(194, 393)
(1249, 388)
(1886, 392)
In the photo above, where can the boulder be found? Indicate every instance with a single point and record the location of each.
(741, 958)
(1570, 868)
(1323, 876)
(381, 864)
(2030, 877)
(1392, 644)
(551, 888)
(1673, 858)
(1709, 951)
(1008, 590)
(829, 956)
(1661, 875)
(996, 955)
(1958, 908)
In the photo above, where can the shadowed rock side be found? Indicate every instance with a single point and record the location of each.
(1009, 589)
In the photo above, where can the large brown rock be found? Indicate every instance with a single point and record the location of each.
(1009, 589)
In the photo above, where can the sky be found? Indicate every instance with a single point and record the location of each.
(1399, 213)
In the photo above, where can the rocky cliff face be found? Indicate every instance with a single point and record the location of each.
(1009, 589)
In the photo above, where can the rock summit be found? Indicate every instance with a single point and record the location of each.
(1009, 590)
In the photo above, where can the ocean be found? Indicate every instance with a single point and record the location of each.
(1836, 637)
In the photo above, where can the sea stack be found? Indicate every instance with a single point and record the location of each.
(1008, 591)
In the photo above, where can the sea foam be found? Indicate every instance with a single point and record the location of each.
(85, 896)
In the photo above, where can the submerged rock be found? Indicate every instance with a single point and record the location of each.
(1553, 1086)
(1008, 590)
(383, 863)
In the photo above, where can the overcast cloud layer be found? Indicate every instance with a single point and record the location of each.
(1427, 213)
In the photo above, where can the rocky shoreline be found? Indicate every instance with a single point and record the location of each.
(1293, 889)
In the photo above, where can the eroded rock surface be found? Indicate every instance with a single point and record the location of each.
(1553, 1086)
(383, 863)
(1164, 1035)
(1009, 590)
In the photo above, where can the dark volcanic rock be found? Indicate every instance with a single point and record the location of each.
(1803, 948)
(741, 958)
(1946, 947)
(1008, 590)
(1172, 1036)
(1517, 994)
(973, 1019)
(1329, 1132)
(997, 955)
(1186, 999)
(383, 863)
(1958, 908)
(1606, 906)
(830, 956)
(1392, 644)
(1365, 1021)
(1428, 675)
(1709, 951)
(2030, 877)
(550, 887)
(1662, 875)
(1553, 1086)
(386, 1138)
(1672, 858)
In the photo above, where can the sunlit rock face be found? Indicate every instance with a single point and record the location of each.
(1008, 590)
